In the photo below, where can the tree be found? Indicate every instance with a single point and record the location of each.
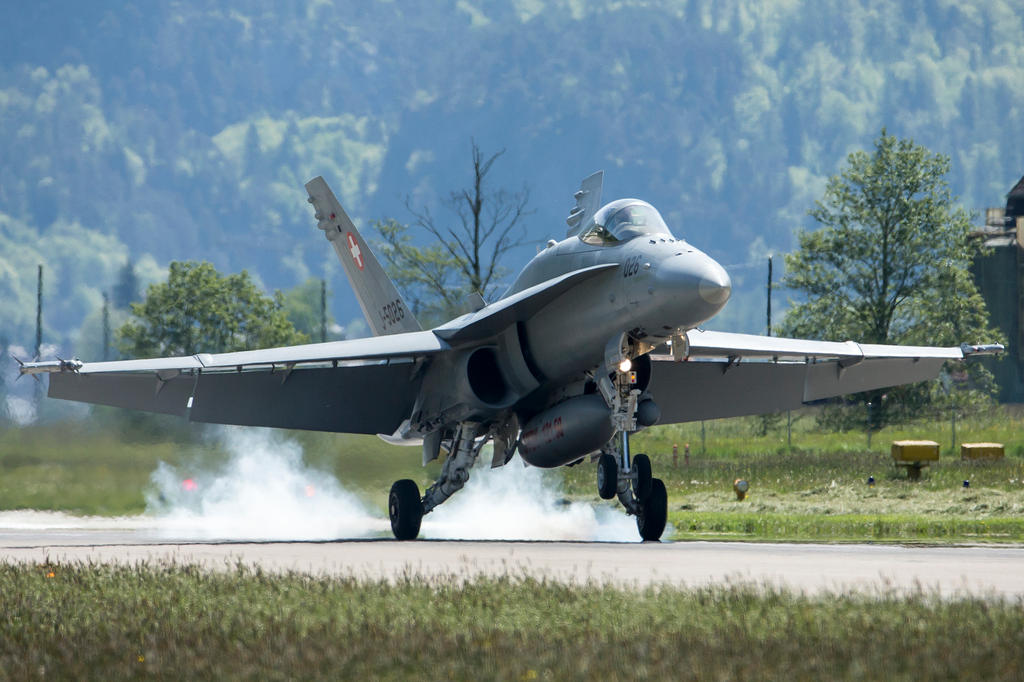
(890, 265)
(198, 310)
(466, 250)
(302, 305)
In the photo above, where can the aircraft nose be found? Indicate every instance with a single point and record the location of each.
(715, 286)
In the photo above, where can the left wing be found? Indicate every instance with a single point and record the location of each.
(731, 375)
(357, 386)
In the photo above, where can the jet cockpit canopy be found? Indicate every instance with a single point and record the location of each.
(623, 220)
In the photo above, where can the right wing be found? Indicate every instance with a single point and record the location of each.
(385, 310)
(356, 386)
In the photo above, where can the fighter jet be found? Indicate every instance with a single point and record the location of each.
(598, 336)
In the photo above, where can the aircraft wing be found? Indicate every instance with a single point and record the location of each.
(731, 375)
(356, 386)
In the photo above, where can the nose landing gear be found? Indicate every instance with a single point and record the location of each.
(630, 478)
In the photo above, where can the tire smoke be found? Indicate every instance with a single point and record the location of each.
(523, 503)
(266, 492)
(263, 492)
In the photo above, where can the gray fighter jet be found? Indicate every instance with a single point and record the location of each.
(598, 336)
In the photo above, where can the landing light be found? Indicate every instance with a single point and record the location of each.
(625, 366)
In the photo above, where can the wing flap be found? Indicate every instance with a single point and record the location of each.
(362, 399)
(147, 392)
(698, 390)
(830, 379)
(368, 398)
(694, 391)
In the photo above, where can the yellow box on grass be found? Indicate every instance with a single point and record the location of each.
(982, 451)
(915, 450)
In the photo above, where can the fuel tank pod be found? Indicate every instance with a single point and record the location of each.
(566, 431)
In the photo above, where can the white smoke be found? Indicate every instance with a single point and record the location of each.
(266, 492)
(21, 411)
(518, 503)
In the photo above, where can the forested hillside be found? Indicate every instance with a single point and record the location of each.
(159, 131)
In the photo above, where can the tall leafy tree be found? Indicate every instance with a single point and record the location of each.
(199, 310)
(890, 265)
(466, 247)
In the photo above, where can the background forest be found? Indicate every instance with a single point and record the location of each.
(151, 132)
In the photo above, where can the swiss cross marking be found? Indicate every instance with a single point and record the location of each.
(353, 248)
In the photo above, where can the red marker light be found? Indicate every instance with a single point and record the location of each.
(189, 484)
(310, 491)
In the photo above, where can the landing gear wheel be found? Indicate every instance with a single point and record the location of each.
(607, 476)
(642, 484)
(653, 512)
(405, 509)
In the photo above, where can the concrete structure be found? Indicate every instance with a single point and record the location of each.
(999, 272)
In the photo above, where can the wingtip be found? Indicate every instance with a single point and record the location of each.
(974, 349)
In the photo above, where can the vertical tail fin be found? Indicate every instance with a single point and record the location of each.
(588, 201)
(383, 307)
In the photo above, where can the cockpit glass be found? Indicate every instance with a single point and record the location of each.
(635, 221)
(617, 223)
(598, 236)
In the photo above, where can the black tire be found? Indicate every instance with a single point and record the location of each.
(405, 509)
(607, 476)
(654, 513)
(642, 483)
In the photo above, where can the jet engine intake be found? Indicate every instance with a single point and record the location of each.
(566, 431)
(483, 373)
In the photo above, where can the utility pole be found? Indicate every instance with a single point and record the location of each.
(39, 332)
(953, 427)
(106, 326)
(39, 314)
(323, 310)
(769, 295)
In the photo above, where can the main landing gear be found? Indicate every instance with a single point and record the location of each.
(641, 494)
(630, 478)
(405, 507)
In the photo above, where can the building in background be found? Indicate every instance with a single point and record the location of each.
(999, 272)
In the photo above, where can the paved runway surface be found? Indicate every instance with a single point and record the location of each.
(809, 568)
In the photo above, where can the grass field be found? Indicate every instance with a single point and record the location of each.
(815, 489)
(168, 622)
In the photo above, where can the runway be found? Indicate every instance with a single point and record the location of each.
(813, 569)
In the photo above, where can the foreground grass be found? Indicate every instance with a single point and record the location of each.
(91, 622)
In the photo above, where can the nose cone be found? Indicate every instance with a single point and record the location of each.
(715, 286)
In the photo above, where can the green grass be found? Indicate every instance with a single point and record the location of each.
(175, 622)
(816, 490)
(740, 437)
